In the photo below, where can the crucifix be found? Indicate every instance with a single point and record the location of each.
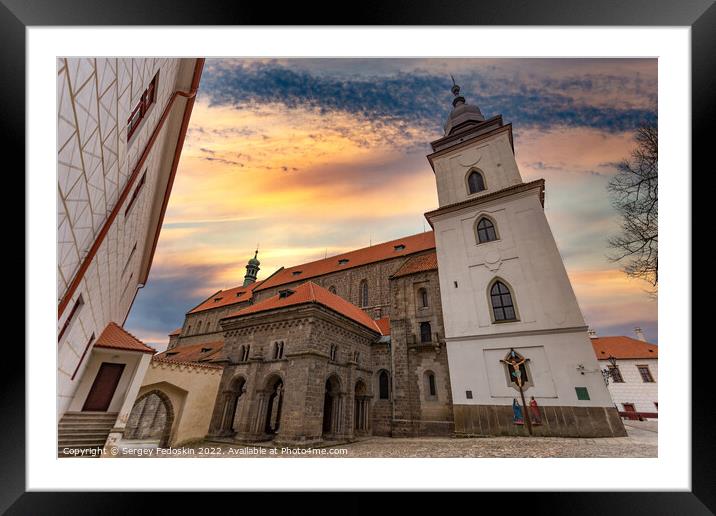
(514, 363)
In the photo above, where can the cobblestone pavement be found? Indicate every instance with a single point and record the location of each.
(641, 442)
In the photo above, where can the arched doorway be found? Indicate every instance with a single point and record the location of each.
(361, 408)
(273, 405)
(231, 403)
(332, 408)
(151, 418)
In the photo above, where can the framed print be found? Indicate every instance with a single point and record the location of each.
(419, 251)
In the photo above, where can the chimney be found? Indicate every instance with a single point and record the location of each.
(639, 334)
(592, 333)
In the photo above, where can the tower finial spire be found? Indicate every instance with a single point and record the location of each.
(459, 99)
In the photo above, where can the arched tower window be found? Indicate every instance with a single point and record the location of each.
(363, 290)
(431, 391)
(486, 231)
(332, 289)
(475, 182)
(383, 385)
(503, 307)
(423, 297)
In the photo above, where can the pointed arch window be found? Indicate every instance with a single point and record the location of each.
(475, 182)
(383, 385)
(423, 297)
(363, 293)
(486, 231)
(431, 391)
(503, 307)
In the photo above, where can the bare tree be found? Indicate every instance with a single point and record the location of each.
(634, 191)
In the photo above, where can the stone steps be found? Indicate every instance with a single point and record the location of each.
(83, 431)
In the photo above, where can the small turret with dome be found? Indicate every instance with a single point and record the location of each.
(463, 115)
(252, 269)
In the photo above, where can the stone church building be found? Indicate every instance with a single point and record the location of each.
(409, 337)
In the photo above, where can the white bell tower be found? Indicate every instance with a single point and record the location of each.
(504, 287)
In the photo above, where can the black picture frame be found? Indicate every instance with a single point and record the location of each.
(700, 15)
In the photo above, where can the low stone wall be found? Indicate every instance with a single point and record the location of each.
(494, 420)
(418, 428)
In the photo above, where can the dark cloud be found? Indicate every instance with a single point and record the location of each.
(161, 305)
(422, 98)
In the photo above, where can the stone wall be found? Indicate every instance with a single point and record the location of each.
(493, 420)
(347, 284)
(417, 412)
(308, 332)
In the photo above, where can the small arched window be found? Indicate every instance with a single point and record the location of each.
(475, 182)
(431, 391)
(423, 297)
(383, 385)
(425, 332)
(332, 289)
(503, 307)
(363, 293)
(486, 231)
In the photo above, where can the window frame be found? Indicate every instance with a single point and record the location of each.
(146, 100)
(431, 385)
(480, 173)
(513, 298)
(422, 325)
(611, 369)
(383, 374)
(363, 294)
(648, 372)
(477, 230)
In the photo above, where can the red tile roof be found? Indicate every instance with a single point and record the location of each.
(116, 337)
(193, 352)
(384, 325)
(623, 347)
(375, 253)
(420, 263)
(227, 297)
(175, 332)
(309, 292)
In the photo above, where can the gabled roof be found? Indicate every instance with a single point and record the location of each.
(400, 247)
(419, 263)
(227, 297)
(116, 337)
(193, 352)
(309, 292)
(623, 347)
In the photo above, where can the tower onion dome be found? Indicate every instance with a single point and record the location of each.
(462, 114)
(252, 270)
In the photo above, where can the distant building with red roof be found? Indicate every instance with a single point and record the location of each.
(633, 366)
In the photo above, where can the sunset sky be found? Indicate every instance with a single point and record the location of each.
(308, 157)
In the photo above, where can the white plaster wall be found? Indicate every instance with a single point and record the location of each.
(492, 155)
(95, 97)
(634, 390)
(553, 366)
(525, 257)
(550, 329)
(131, 359)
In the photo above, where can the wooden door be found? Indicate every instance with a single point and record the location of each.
(629, 407)
(102, 391)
